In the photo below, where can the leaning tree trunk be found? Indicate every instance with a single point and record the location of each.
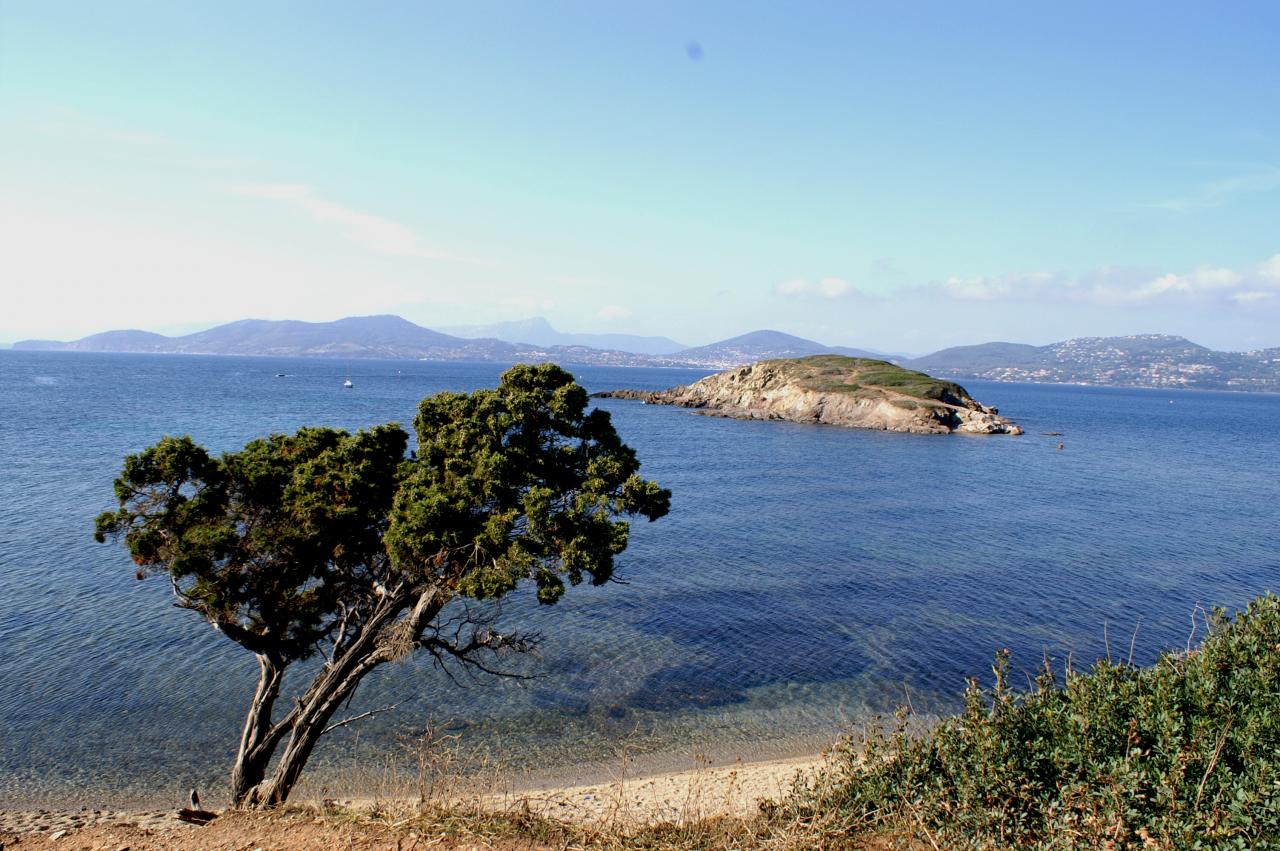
(253, 787)
(256, 740)
(316, 710)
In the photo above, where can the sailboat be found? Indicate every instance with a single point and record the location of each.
(347, 385)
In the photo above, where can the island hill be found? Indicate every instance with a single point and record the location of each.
(836, 390)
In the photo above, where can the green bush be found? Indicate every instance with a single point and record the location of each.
(1182, 754)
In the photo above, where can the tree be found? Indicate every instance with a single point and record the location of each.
(342, 544)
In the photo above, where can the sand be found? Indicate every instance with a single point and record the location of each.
(676, 796)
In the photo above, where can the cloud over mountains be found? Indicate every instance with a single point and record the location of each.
(1256, 284)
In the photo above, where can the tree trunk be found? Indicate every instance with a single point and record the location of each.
(310, 716)
(252, 758)
(306, 731)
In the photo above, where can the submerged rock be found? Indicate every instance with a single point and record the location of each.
(835, 390)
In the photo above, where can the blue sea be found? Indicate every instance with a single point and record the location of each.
(806, 579)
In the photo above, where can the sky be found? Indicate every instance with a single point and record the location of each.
(897, 176)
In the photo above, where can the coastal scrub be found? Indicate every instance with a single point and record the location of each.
(1182, 754)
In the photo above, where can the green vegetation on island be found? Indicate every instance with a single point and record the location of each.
(864, 377)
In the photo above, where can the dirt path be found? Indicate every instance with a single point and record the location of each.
(247, 832)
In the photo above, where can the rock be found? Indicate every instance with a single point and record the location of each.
(834, 390)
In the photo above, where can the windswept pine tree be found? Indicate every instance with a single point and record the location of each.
(345, 545)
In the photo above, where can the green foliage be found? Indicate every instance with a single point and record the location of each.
(1184, 754)
(279, 542)
(267, 541)
(864, 377)
(520, 482)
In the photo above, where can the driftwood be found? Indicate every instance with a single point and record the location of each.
(201, 817)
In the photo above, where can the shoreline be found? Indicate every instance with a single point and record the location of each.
(377, 773)
(702, 791)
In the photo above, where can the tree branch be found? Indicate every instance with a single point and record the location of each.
(345, 721)
(481, 640)
(251, 641)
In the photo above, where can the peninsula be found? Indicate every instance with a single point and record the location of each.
(836, 390)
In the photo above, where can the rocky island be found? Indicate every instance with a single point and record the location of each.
(836, 390)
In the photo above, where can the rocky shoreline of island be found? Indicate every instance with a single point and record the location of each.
(833, 390)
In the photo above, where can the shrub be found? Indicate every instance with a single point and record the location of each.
(1183, 754)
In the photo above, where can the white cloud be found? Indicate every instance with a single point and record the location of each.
(611, 312)
(1202, 280)
(834, 287)
(1260, 178)
(1001, 287)
(377, 234)
(823, 287)
(1270, 268)
(1111, 286)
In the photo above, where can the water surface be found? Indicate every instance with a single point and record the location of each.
(805, 578)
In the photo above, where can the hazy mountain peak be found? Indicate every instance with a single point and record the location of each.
(765, 344)
(767, 337)
(537, 331)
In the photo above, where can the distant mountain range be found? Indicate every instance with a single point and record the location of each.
(1148, 360)
(1143, 360)
(538, 331)
(395, 337)
(356, 336)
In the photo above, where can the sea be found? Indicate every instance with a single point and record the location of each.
(808, 579)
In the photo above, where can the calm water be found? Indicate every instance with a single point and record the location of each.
(806, 577)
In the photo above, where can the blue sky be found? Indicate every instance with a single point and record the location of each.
(897, 176)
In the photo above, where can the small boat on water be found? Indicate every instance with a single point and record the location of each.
(347, 385)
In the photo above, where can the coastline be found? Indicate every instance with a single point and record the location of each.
(679, 796)
(377, 771)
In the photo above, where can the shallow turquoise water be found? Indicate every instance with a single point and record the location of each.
(806, 577)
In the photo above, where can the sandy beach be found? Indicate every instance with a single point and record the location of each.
(674, 796)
